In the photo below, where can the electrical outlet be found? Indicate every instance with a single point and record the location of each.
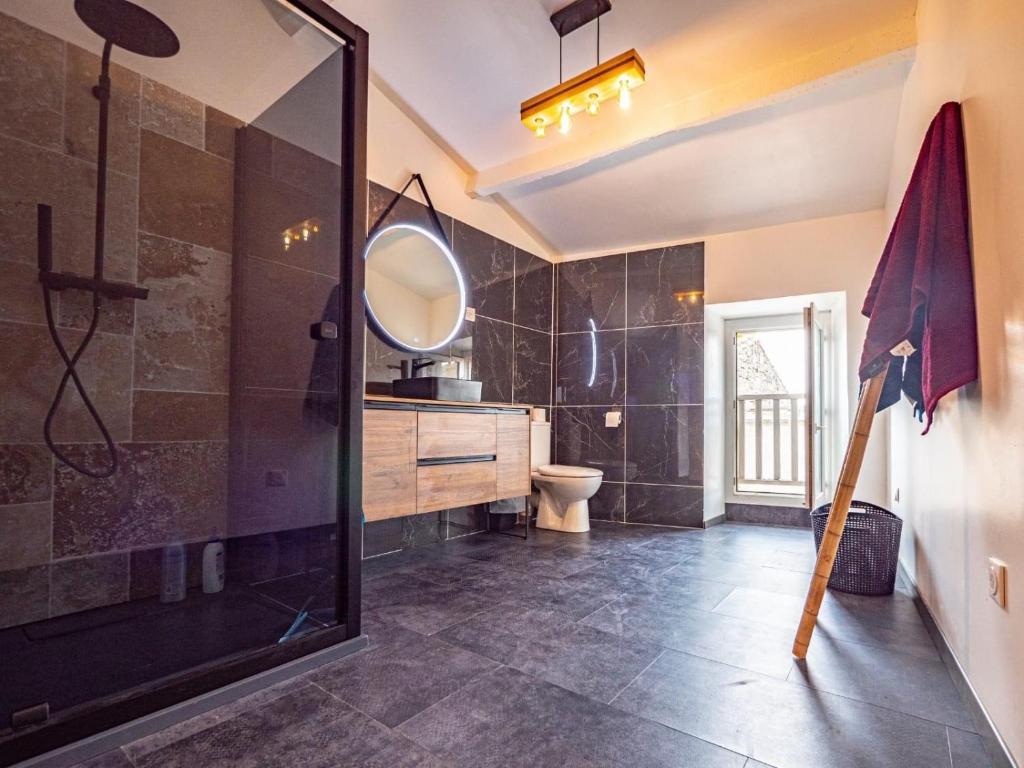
(997, 581)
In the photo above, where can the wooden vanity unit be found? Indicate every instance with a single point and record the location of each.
(427, 455)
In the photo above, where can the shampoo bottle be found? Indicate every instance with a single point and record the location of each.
(213, 567)
(172, 574)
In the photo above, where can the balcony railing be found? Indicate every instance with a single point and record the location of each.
(771, 443)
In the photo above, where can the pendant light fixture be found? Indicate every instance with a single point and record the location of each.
(615, 78)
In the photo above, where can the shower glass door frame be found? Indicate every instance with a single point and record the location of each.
(89, 720)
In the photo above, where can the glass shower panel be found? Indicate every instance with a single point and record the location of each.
(216, 536)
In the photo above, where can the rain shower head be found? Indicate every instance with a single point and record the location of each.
(128, 26)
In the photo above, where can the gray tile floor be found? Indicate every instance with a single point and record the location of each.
(629, 646)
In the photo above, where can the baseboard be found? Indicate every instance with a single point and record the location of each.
(96, 745)
(716, 520)
(994, 744)
(768, 514)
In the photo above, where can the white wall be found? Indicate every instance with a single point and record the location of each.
(961, 486)
(834, 254)
(397, 148)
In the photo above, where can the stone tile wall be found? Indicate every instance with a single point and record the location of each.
(630, 338)
(158, 369)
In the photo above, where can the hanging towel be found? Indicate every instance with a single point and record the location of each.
(923, 289)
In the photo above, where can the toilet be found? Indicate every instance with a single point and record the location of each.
(563, 490)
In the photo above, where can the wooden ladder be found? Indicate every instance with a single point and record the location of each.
(840, 509)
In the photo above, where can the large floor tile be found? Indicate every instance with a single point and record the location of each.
(840, 618)
(402, 676)
(306, 727)
(508, 719)
(548, 562)
(732, 641)
(779, 723)
(594, 663)
(710, 567)
(419, 605)
(884, 677)
(967, 750)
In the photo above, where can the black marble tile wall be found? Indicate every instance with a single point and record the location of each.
(630, 338)
(590, 368)
(592, 294)
(508, 347)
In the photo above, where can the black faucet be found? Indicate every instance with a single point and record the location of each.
(409, 369)
(418, 363)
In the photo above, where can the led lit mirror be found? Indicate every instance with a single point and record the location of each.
(415, 293)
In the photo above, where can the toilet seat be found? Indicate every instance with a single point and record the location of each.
(563, 470)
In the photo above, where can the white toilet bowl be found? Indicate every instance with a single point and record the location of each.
(564, 492)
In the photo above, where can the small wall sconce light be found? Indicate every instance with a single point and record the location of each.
(688, 297)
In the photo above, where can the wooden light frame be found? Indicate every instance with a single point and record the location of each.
(603, 81)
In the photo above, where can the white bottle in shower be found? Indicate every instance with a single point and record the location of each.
(213, 567)
(172, 574)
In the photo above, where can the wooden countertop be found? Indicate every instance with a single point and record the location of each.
(460, 403)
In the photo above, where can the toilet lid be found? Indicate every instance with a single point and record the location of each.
(561, 470)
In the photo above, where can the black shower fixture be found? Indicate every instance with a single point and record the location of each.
(135, 29)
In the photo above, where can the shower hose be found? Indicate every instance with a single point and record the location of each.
(71, 374)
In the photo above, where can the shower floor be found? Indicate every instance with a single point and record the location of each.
(76, 659)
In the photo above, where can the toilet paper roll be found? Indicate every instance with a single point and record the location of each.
(539, 414)
(613, 418)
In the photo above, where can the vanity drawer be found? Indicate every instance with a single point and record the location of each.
(442, 486)
(389, 464)
(449, 435)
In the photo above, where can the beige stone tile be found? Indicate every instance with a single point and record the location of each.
(183, 329)
(185, 193)
(33, 175)
(31, 372)
(31, 83)
(147, 566)
(268, 207)
(307, 499)
(24, 535)
(88, 582)
(279, 304)
(24, 595)
(81, 126)
(26, 473)
(20, 293)
(116, 316)
(163, 492)
(162, 415)
(172, 114)
(221, 129)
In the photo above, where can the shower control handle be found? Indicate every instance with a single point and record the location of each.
(44, 236)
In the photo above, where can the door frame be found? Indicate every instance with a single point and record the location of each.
(775, 321)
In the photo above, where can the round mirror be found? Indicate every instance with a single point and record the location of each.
(415, 294)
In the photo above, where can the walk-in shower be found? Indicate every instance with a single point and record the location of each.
(135, 29)
(201, 520)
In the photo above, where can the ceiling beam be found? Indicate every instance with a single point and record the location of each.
(769, 85)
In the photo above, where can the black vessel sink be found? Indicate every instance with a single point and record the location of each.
(438, 388)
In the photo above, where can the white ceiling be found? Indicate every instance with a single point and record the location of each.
(462, 67)
(824, 153)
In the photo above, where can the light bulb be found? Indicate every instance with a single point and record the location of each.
(625, 98)
(287, 241)
(538, 131)
(316, 227)
(305, 233)
(564, 122)
(593, 103)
